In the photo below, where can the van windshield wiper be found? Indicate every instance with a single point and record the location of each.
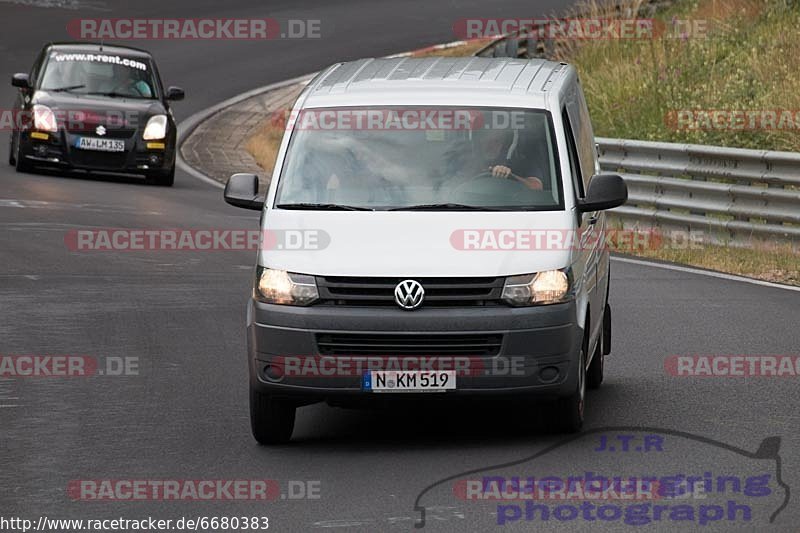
(444, 207)
(65, 89)
(321, 207)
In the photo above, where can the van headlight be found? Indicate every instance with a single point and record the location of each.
(156, 128)
(541, 288)
(286, 288)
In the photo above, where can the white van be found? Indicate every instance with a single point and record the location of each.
(434, 227)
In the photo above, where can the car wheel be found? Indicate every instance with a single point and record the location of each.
(569, 410)
(271, 419)
(594, 376)
(11, 159)
(22, 164)
(164, 179)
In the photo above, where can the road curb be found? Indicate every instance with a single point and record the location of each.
(188, 125)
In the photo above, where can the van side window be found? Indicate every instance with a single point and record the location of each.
(584, 136)
(572, 152)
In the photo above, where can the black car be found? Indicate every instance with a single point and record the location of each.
(95, 108)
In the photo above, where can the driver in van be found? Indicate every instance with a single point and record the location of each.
(490, 153)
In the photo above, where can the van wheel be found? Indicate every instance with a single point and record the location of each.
(569, 410)
(271, 419)
(594, 376)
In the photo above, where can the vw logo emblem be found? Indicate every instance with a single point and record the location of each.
(409, 294)
(100, 130)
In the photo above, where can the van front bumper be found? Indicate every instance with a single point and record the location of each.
(538, 349)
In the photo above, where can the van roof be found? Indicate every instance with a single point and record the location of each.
(460, 80)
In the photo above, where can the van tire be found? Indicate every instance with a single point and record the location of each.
(569, 411)
(594, 376)
(271, 419)
(607, 329)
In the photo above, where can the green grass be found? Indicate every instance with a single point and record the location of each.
(777, 264)
(749, 59)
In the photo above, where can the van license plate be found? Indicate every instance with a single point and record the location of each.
(409, 380)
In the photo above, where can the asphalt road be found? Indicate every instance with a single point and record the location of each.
(181, 315)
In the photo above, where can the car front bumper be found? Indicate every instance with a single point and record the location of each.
(538, 353)
(59, 150)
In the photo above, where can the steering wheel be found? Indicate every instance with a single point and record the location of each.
(486, 185)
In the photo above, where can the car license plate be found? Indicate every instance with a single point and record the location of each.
(409, 380)
(102, 145)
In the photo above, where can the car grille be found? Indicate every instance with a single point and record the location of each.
(439, 292)
(409, 344)
(96, 159)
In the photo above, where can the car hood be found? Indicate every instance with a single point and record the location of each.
(99, 109)
(410, 243)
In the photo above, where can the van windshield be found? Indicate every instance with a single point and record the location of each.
(437, 158)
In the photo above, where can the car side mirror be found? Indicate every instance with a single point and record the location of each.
(606, 191)
(242, 191)
(175, 93)
(20, 79)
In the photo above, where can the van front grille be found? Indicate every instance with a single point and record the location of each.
(409, 344)
(439, 292)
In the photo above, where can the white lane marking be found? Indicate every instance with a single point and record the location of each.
(4, 406)
(701, 272)
(61, 4)
(100, 208)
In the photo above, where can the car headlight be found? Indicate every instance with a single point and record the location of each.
(287, 288)
(156, 128)
(44, 119)
(541, 288)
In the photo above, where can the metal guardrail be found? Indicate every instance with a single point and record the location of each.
(731, 195)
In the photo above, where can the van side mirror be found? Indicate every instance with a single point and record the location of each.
(242, 191)
(175, 93)
(20, 79)
(605, 192)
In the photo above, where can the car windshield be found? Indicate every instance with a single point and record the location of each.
(437, 159)
(99, 74)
